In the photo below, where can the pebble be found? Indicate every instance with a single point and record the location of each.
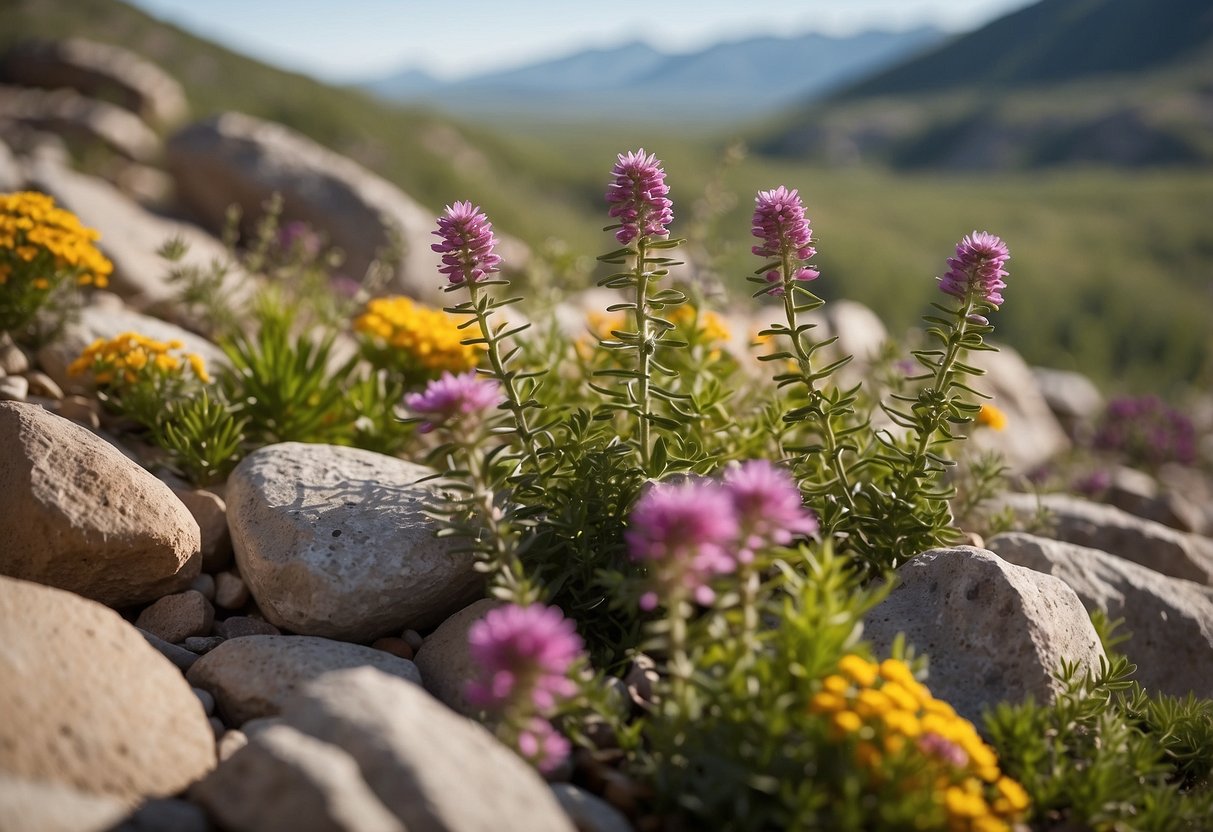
(208, 701)
(204, 584)
(413, 638)
(202, 644)
(217, 726)
(179, 656)
(40, 384)
(395, 646)
(231, 742)
(243, 625)
(231, 593)
(81, 410)
(12, 359)
(14, 388)
(177, 617)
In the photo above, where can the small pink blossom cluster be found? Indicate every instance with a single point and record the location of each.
(977, 269)
(467, 244)
(524, 655)
(638, 197)
(690, 532)
(451, 398)
(780, 223)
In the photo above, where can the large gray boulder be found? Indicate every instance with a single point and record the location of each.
(434, 769)
(66, 113)
(88, 704)
(254, 676)
(236, 158)
(993, 631)
(78, 515)
(97, 69)
(1170, 621)
(1117, 532)
(12, 178)
(335, 542)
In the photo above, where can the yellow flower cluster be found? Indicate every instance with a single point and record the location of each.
(711, 326)
(32, 228)
(131, 357)
(992, 417)
(889, 714)
(429, 337)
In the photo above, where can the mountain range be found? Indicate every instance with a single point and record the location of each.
(1112, 82)
(723, 82)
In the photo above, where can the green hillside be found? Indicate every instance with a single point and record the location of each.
(1111, 270)
(1119, 82)
(1053, 42)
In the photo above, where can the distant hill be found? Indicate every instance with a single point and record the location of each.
(1121, 82)
(724, 82)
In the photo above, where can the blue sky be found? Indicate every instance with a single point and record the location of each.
(356, 39)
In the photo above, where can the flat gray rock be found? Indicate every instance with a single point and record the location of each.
(994, 631)
(253, 676)
(39, 806)
(335, 542)
(1170, 620)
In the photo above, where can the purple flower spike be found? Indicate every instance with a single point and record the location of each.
(977, 269)
(467, 244)
(543, 746)
(686, 533)
(638, 197)
(453, 397)
(524, 654)
(768, 505)
(780, 223)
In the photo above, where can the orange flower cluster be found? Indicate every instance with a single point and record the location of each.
(40, 242)
(130, 358)
(890, 714)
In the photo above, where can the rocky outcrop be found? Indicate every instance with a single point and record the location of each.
(89, 705)
(1169, 621)
(994, 631)
(335, 542)
(1119, 533)
(80, 516)
(66, 113)
(100, 70)
(235, 158)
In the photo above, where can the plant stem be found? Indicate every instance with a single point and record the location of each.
(644, 351)
(679, 661)
(941, 383)
(805, 364)
(502, 537)
(512, 400)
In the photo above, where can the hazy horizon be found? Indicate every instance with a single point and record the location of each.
(366, 39)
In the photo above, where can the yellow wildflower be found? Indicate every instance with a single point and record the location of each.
(411, 335)
(991, 417)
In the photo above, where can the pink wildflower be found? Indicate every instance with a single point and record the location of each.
(780, 223)
(467, 244)
(542, 745)
(638, 197)
(768, 505)
(524, 655)
(453, 397)
(977, 269)
(686, 533)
